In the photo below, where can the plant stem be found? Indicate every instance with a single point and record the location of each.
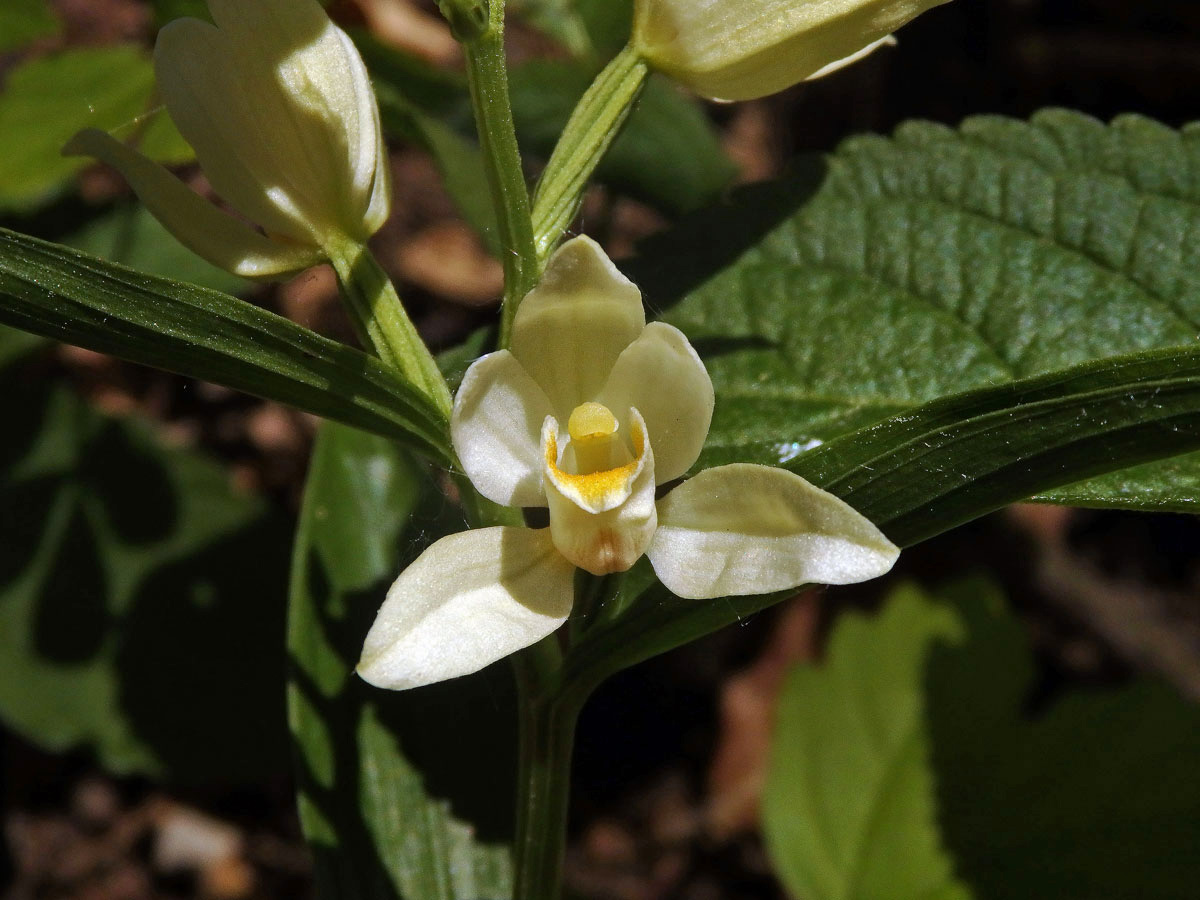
(487, 77)
(382, 324)
(547, 736)
(594, 124)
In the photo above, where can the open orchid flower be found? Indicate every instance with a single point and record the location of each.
(636, 403)
(277, 104)
(741, 49)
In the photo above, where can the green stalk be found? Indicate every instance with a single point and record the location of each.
(487, 77)
(382, 324)
(547, 737)
(593, 126)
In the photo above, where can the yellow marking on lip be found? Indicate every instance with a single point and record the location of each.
(596, 486)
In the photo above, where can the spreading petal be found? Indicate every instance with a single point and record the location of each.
(596, 534)
(747, 529)
(661, 375)
(470, 599)
(196, 223)
(496, 426)
(570, 329)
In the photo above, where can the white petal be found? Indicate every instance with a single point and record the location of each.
(746, 529)
(602, 537)
(496, 430)
(661, 375)
(570, 329)
(470, 599)
(196, 223)
(221, 112)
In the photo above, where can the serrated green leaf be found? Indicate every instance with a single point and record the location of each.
(50, 290)
(849, 806)
(22, 21)
(140, 596)
(943, 464)
(902, 269)
(402, 795)
(908, 755)
(47, 100)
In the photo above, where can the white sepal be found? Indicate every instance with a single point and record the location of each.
(747, 529)
(495, 428)
(662, 376)
(470, 599)
(570, 329)
(197, 224)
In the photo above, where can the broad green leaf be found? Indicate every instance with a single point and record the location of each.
(903, 269)
(943, 464)
(907, 765)
(141, 596)
(22, 21)
(849, 806)
(61, 294)
(665, 125)
(403, 795)
(129, 235)
(46, 100)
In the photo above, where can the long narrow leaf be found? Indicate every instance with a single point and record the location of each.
(68, 296)
(921, 473)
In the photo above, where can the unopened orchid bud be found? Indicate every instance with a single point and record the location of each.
(277, 104)
(741, 49)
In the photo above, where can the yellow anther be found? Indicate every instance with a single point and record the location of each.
(591, 420)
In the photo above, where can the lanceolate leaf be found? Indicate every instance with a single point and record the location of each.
(943, 464)
(403, 796)
(58, 293)
(903, 269)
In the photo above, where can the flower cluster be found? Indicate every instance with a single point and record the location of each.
(637, 403)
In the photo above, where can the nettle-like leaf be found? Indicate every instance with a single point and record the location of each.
(903, 269)
(403, 796)
(906, 765)
(140, 594)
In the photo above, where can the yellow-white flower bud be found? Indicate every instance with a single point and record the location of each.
(741, 49)
(276, 102)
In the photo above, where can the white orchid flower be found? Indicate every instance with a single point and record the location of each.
(742, 49)
(276, 102)
(637, 403)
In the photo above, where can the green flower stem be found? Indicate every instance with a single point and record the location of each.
(546, 741)
(382, 324)
(487, 77)
(594, 124)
